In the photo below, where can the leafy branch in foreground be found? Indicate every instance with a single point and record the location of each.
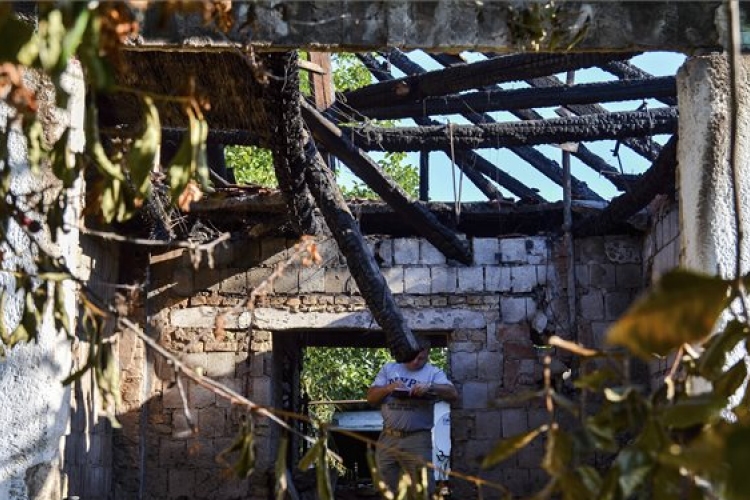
(675, 442)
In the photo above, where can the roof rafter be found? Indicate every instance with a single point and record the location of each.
(474, 75)
(618, 125)
(507, 100)
(338, 144)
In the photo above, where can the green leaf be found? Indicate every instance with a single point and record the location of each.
(558, 457)
(596, 380)
(737, 456)
(507, 447)
(282, 478)
(590, 479)
(712, 361)
(311, 456)
(565, 403)
(635, 466)
(682, 308)
(17, 46)
(143, 153)
(728, 383)
(691, 411)
(610, 489)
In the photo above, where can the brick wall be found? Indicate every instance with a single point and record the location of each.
(492, 312)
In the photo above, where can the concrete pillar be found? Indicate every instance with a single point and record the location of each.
(705, 179)
(34, 405)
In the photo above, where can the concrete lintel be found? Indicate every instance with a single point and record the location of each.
(440, 25)
(417, 319)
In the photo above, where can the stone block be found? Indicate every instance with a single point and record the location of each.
(623, 250)
(591, 305)
(513, 309)
(582, 275)
(616, 303)
(258, 275)
(196, 360)
(429, 255)
(220, 364)
(589, 249)
(474, 395)
(470, 279)
(273, 251)
(444, 279)
(394, 277)
(515, 422)
(417, 280)
(335, 279)
(497, 279)
(236, 284)
(261, 391)
(383, 252)
(201, 397)
(463, 365)
(537, 250)
(599, 333)
(517, 480)
(193, 317)
(513, 251)
(181, 483)
(184, 284)
(233, 384)
(523, 278)
(312, 279)
(486, 251)
(172, 453)
(288, 282)
(489, 365)
(212, 422)
(405, 251)
(629, 276)
(602, 275)
(489, 424)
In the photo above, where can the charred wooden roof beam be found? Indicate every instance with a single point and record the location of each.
(426, 224)
(618, 125)
(475, 75)
(547, 167)
(659, 179)
(508, 100)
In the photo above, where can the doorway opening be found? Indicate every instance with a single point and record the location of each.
(332, 375)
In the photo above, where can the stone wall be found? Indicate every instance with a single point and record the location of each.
(495, 312)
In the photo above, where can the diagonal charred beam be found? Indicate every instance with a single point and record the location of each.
(627, 71)
(643, 146)
(659, 179)
(365, 271)
(474, 75)
(547, 167)
(505, 100)
(499, 135)
(585, 155)
(423, 221)
(288, 156)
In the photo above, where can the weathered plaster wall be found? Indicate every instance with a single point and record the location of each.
(487, 310)
(34, 405)
(445, 25)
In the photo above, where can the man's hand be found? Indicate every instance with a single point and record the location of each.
(420, 389)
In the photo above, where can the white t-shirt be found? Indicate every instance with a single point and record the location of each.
(408, 414)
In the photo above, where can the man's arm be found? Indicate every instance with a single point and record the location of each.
(446, 392)
(376, 394)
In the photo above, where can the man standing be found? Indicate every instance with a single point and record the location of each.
(407, 393)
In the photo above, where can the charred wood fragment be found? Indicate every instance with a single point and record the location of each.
(338, 144)
(505, 100)
(288, 156)
(458, 78)
(365, 271)
(659, 179)
(619, 125)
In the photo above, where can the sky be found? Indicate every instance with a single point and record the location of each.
(447, 184)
